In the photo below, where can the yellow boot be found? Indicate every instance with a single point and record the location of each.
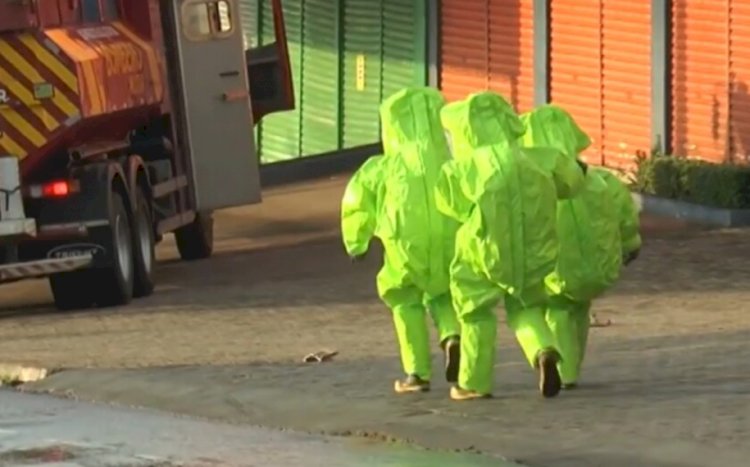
(411, 384)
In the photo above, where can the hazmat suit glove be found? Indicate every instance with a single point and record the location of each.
(632, 256)
(358, 258)
(360, 205)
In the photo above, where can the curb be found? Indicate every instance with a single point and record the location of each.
(690, 212)
(12, 375)
(319, 166)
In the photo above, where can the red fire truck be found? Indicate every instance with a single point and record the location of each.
(122, 121)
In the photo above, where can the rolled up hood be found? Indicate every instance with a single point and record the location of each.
(553, 127)
(482, 119)
(411, 125)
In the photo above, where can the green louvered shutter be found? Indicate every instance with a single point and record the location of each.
(404, 45)
(363, 38)
(280, 132)
(320, 77)
(249, 21)
(249, 10)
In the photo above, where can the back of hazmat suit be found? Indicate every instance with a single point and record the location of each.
(588, 227)
(506, 199)
(392, 197)
(629, 219)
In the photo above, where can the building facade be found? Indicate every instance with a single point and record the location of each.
(639, 75)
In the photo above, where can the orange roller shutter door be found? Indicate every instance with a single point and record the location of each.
(739, 85)
(700, 67)
(488, 44)
(575, 66)
(600, 70)
(626, 79)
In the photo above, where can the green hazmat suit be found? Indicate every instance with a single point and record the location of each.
(392, 197)
(505, 197)
(596, 228)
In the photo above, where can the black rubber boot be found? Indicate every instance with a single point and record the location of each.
(549, 378)
(452, 349)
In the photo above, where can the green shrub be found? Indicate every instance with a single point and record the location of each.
(717, 185)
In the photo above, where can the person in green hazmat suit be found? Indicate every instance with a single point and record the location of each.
(392, 197)
(597, 229)
(505, 197)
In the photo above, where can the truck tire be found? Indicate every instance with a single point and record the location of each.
(73, 290)
(196, 240)
(144, 241)
(114, 285)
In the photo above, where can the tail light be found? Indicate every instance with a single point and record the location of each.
(54, 189)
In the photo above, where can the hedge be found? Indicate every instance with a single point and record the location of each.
(716, 185)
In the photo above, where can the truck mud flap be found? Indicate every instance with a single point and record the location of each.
(97, 246)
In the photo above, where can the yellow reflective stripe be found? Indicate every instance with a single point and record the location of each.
(11, 147)
(27, 98)
(25, 68)
(90, 85)
(51, 62)
(24, 127)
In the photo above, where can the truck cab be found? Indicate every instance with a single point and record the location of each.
(122, 121)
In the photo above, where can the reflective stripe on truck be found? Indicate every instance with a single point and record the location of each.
(42, 268)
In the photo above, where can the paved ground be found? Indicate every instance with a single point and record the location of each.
(666, 385)
(45, 431)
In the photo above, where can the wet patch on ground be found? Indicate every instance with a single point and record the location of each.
(68, 455)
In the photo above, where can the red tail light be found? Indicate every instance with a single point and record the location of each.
(54, 189)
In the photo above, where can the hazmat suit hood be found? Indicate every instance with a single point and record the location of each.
(482, 119)
(553, 127)
(411, 126)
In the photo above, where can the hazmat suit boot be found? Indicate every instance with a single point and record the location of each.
(449, 330)
(410, 323)
(458, 394)
(569, 322)
(527, 318)
(476, 372)
(411, 384)
(549, 376)
(452, 350)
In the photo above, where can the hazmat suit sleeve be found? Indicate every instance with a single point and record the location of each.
(630, 224)
(565, 171)
(360, 206)
(450, 197)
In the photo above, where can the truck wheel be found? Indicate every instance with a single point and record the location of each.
(72, 290)
(115, 284)
(196, 240)
(144, 241)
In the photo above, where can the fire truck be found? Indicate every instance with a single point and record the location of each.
(122, 121)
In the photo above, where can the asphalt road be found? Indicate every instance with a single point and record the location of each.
(666, 385)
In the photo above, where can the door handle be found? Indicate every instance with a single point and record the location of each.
(228, 74)
(236, 95)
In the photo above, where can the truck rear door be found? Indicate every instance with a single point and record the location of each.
(269, 71)
(214, 116)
